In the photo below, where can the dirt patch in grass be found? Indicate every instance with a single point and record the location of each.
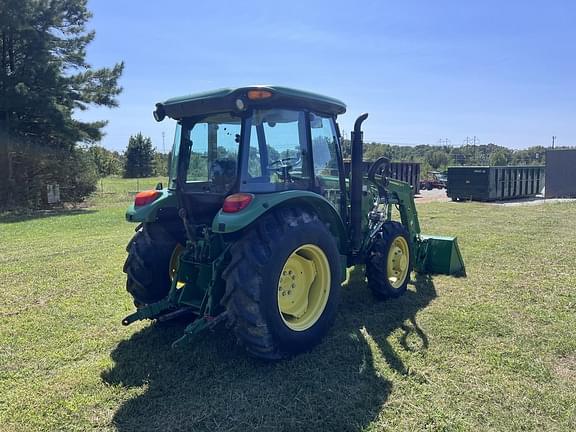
(565, 367)
(434, 195)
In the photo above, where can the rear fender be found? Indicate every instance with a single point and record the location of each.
(165, 207)
(228, 223)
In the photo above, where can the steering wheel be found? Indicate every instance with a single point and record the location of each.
(282, 167)
(282, 163)
(381, 167)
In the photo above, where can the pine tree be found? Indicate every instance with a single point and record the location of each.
(44, 79)
(139, 157)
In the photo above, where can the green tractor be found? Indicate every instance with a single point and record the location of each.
(258, 223)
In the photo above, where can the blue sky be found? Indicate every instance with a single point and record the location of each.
(503, 71)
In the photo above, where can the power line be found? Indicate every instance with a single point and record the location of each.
(471, 141)
(444, 141)
(383, 141)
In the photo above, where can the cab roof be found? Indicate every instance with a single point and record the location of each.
(227, 99)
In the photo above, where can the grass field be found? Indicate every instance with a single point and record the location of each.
(495, 351)
(119, 191)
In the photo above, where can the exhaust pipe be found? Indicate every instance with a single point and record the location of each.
(356, 184)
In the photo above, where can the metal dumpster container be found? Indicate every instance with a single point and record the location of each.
(408, 172)
(492, 183)
(560, 173)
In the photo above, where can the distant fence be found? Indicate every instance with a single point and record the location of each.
(129, 186)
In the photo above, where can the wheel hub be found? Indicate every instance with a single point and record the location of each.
(294, 285)
(398, 260)
(303, 287)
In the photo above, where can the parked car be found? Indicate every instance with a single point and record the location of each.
(434, 180)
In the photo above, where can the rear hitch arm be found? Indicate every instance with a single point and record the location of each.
(150, 311)
(199, 328)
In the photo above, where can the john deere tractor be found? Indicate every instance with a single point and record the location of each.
(258, 223)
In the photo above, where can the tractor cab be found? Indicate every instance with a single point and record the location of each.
(252, 140)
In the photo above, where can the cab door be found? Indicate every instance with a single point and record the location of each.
(327, 161)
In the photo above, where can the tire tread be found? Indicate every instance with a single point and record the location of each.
(250, 259)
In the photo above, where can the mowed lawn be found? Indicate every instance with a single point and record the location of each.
(494, 351)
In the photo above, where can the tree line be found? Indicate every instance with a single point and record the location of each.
(439, 157)
(138, 161)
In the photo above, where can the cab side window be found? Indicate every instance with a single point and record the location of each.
(324, 146)
(325, 157)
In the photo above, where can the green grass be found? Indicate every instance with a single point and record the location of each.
(117, 190)
(495, 351)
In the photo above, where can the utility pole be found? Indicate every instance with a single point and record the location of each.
(554, 138)
(163, 143)
(444, 141)
(475, 142)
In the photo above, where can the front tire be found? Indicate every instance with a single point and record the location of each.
(283, 284)
(389, 262)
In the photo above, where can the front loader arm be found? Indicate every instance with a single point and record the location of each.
(430, 254)
(400, 193)
(396, 192)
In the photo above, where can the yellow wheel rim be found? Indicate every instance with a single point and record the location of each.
(398, 262)
(174, 260)
(304, 287)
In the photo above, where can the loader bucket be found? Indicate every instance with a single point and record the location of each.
(443, 256)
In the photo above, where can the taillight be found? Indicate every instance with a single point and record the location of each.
(236, 202)
(146, 197)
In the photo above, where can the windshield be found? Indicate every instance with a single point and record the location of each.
(277, 158)
(212, 144)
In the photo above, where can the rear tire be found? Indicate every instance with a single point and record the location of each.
(148, 264)
(258, 279)
(389, 262)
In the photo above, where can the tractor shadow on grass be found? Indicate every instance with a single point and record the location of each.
(341, 385)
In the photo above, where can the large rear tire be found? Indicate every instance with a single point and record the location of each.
(389, 261)
(148, 266)
(283, 284)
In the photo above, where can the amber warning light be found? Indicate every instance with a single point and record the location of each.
(259, 94)
(236, 202)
